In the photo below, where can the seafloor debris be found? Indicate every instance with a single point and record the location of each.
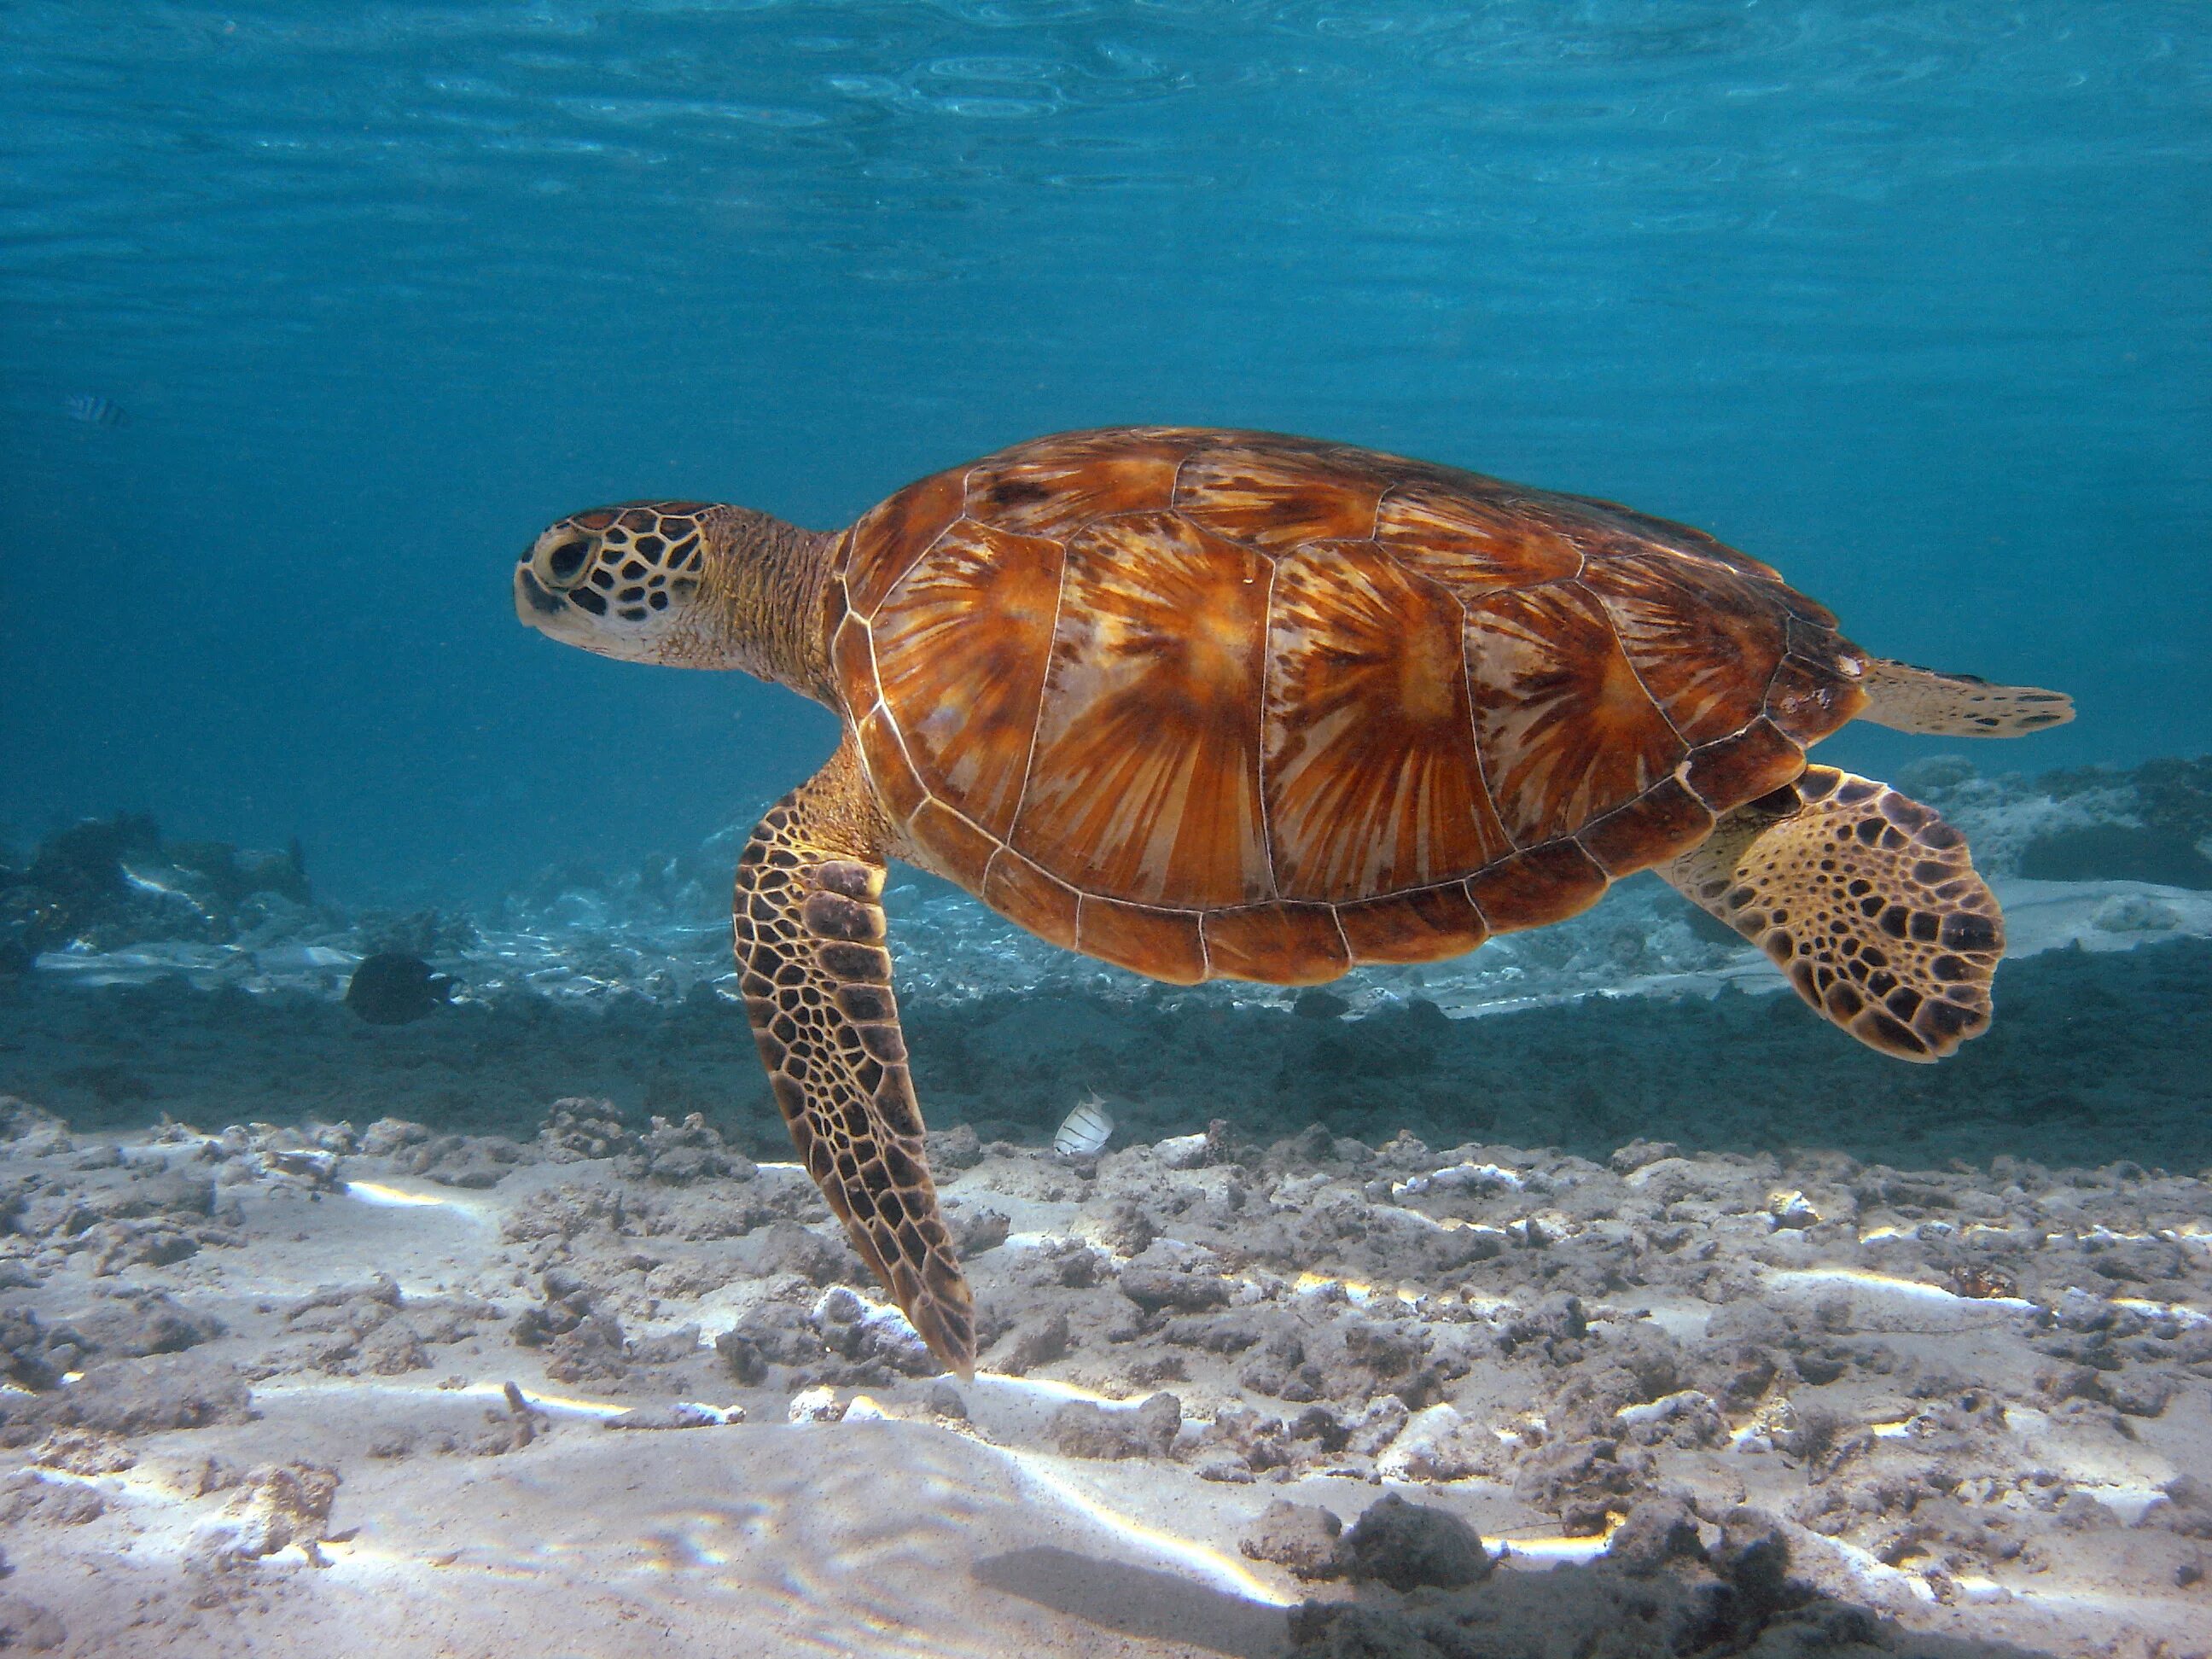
(1549, 1348)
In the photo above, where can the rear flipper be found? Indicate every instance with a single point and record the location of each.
(1909, 699)
(1868, 900)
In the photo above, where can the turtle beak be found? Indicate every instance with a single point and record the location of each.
(532, 604)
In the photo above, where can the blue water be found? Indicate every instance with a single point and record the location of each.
(1911, 299)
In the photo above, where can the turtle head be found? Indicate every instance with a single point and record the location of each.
(624, 581)
(689, 584)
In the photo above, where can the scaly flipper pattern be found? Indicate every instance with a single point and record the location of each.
(816, 982)
(1909, 699)
(1867, 900)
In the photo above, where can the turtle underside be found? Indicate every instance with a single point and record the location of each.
(1207, 703)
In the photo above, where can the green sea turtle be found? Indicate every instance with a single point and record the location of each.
(1208, 703)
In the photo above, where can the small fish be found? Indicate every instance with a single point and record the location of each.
(392, 988)
(95, 410)
(1085, 1129)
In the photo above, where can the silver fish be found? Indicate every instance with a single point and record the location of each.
(93, 410)
(1085, 1129)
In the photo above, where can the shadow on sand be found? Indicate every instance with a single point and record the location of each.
(1685, 1610)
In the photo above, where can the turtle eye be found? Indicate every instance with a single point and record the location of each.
(566, 562)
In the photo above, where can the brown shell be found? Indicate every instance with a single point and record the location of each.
(1210, 703)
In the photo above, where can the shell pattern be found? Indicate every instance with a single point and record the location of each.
(1207, 703)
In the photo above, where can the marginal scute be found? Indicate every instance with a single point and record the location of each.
(1279, 944)
(1743, 766)
(1808, 698)
(1018, 891)
(1663, 822)
(1543, 885)
(1163, 945)
(956, 849)
(896, 782)
(852, 659)
(1426, 925)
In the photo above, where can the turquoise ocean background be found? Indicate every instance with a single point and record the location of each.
(1914, 300)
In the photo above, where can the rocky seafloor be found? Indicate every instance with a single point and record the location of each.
(1587, 1296)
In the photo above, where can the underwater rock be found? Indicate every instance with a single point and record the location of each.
(1081, 1429)
(25, 1624)
(139, 1323)
(1299, 1536)
(392, 989)
(1035, 1345)
(1657, 1530)
(580, 1128)
(467, 1161)
(37, 1356)
(275, 1505)
(113, 881)
(676, 1155)
(140, 1396)
(874, 1338)
(1407, 1545)
(1155, 1289)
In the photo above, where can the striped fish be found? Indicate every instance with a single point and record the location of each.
(1085, 1129)
(93, 410)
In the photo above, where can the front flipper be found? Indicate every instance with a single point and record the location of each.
(1868, 900)
(817, 985)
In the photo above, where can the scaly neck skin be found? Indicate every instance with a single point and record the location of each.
(761, 594)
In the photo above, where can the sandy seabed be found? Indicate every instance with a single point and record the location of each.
(468, 1352)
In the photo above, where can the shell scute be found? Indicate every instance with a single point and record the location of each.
(1373, 783)
(884, 755)
(1278, 496)
(1145, 783)
(1164, 945)
(1018, 891)
(1473, 535)
(1700, 637)
(960, 642)
(1055, 486)
(1811, 693)
(1624, 527)
(957, 847)
(1661, 824)
(1543, 885)
(1743, 766)
(1423, 925)
(1566, 729)
(1278, 944)
(893, 534)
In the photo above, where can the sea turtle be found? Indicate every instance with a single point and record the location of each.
(1216, 703)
